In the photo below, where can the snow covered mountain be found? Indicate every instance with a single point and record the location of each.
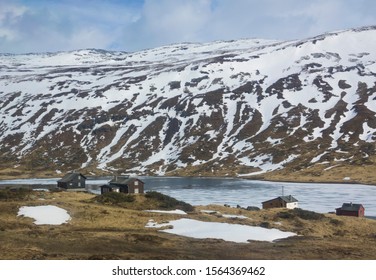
(247, 107)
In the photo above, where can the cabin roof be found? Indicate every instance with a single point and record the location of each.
(351, 207)
(287, 199)
(70, 176)
(123, 180)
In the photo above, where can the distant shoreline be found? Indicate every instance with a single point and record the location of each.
(99, 177)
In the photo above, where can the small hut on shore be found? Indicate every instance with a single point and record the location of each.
(289, 202)
(124, 184)
(72, 180)
(351, 209)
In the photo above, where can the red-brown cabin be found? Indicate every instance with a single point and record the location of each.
(351, 209)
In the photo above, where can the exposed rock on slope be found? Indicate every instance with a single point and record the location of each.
(247, 107)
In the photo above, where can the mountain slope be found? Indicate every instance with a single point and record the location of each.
(247, 107)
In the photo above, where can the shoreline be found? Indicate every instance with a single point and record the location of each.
(317, 182)
(92, 177)
(354, 174)
(236, 191)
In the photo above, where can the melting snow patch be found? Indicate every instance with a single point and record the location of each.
(213, 212)
(41, 190)
(45, 215)
(234, 216)
(152, 224)
(179, 212)
(225, 231)
(209, 212)
(331, 167)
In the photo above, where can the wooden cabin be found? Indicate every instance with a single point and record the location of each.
(72, 180)
(350, 209)
(289, 202)
(124, 184)
(108, 188)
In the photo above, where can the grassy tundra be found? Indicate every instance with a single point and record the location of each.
(113, 227)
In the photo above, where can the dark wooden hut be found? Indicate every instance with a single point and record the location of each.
(73, 180)
(124, 184)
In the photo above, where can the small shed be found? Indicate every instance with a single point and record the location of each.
(72, 180)
(289, 202)
(350, 209)
(108, 188)
(124, 184)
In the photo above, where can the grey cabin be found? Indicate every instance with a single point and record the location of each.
(73, 180)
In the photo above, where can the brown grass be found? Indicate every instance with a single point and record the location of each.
(98, 231)
(358, 174)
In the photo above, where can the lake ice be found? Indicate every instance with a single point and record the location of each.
(316, 197)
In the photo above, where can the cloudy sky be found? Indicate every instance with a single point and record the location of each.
(131, 25)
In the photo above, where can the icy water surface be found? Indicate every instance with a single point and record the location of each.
(321, 198)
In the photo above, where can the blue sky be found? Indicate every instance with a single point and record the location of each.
(131, 25)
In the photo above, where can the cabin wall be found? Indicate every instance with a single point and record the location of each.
(136, 187)
(105, 189)
(361, 212)
(81, 182)
(292, 205)
(275, 203)
(340, 212)
(77, 182)
(62, 185)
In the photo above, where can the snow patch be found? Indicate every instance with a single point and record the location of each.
(234, 216)
(45, 215)
(228, 232)
(177, 211)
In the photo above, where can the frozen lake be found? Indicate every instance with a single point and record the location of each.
(321, 198)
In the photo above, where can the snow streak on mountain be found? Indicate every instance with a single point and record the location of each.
(244, 107)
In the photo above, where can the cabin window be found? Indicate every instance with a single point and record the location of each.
(136, 183)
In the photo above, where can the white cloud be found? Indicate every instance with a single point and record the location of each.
(89, 37)
(9, 15)
(33, 26)
(326, 13)
(61, 25)
(168, 21)
(10, 11)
